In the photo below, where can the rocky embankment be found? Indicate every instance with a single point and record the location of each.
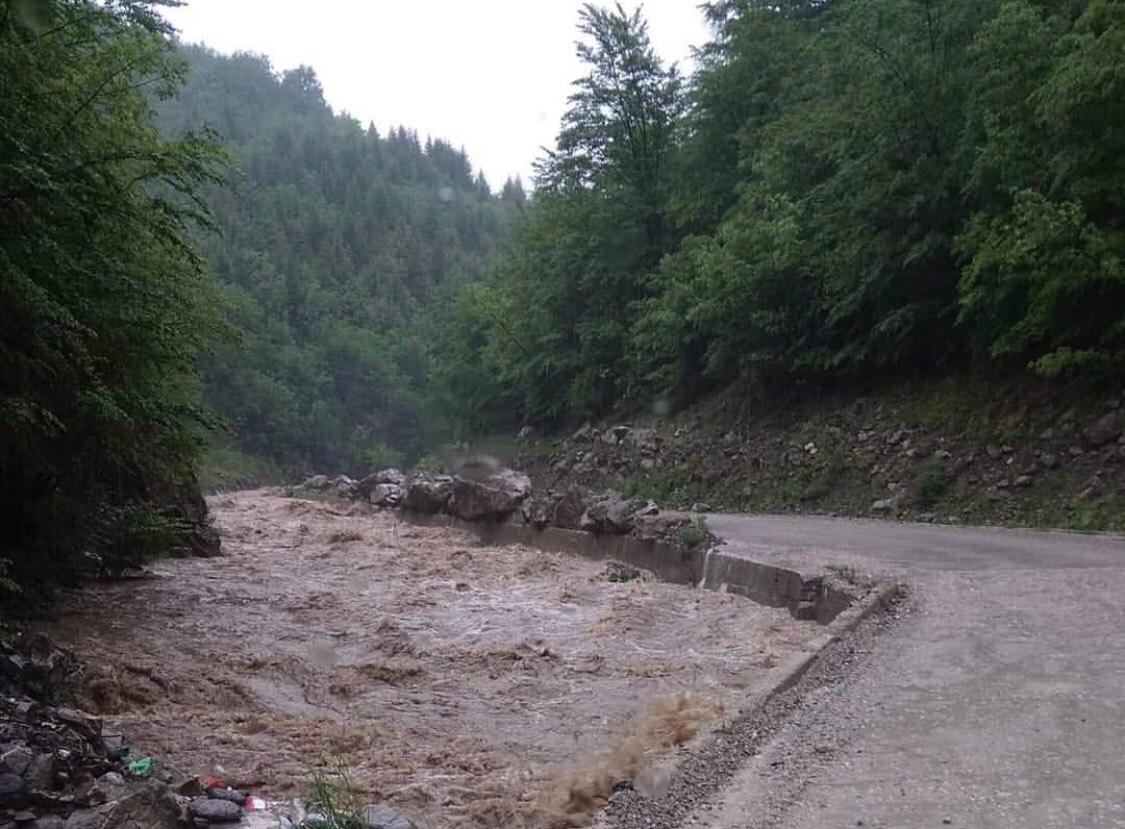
(917, 455)
(504, 495)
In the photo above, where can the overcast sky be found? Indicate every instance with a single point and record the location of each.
(489, 75)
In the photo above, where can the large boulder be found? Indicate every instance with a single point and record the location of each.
(386, 495)
(343, 487)
(567, 512)
(610, 514)
(153, 806)
(365, 487)
(183, 501)
(427, 492)
(538, 508)
(491, 498)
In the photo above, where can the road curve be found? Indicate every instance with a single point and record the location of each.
(999, 701)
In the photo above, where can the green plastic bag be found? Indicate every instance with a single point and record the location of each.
(141, 766)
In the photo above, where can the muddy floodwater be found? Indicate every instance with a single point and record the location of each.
(468, 685)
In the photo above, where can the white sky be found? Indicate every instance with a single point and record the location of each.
(489, 75)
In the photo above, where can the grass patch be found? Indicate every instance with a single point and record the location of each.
(335, 801)
(934, 478)
(225, 467)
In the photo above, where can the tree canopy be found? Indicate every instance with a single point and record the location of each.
(844, 189)
(104, 307)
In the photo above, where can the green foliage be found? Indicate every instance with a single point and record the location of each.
(104, 308)
(933, 480)
(336, 242)
(845, 189)
(550, 332)
(693, 534)
(336, 799)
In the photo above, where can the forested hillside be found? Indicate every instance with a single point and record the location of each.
(332, 241)
(846, 190)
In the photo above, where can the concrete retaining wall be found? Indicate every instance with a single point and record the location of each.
(804, 597)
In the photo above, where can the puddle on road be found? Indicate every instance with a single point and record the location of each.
(468, 685)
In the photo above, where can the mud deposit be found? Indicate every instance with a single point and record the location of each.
(468, 685)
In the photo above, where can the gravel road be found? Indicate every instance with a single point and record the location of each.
(997, 699)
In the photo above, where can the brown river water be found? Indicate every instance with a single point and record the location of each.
(468, 685)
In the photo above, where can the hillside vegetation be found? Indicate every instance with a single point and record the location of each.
(845, 191)
(104, 307)
(332, 242)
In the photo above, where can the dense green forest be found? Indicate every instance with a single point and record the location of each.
(104, 307)
(332, 243)
(845, 190)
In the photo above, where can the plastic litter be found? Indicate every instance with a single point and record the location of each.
(254, 804)
(141, 766)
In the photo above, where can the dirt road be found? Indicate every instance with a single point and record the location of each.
(468, 685)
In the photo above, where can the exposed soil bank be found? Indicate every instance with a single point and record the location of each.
(467, 684)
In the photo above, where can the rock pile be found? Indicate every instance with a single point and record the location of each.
(59, 768)
(865, 456)
(503, 495)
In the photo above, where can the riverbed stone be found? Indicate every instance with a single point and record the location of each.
(489, 499)
(382, 816)
(215, 810)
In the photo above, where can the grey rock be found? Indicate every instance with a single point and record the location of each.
(644, 440)
(610, 515)
(568, 510)
(383, 816)
(13, 791)
(428, 493)
(883, 505)
(48, 822)
(526, 433)
(40, 773)
(993, 451)
(1023, 481)
(233, 795)
(1049, 460)
(587, 432)
(491, 498)
(538, 508)
(316, 483)
(389, 476)
(385, 495)
(16, 760)
(343, 486)
(1106, 429)
(89, 818)
(213, 810)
